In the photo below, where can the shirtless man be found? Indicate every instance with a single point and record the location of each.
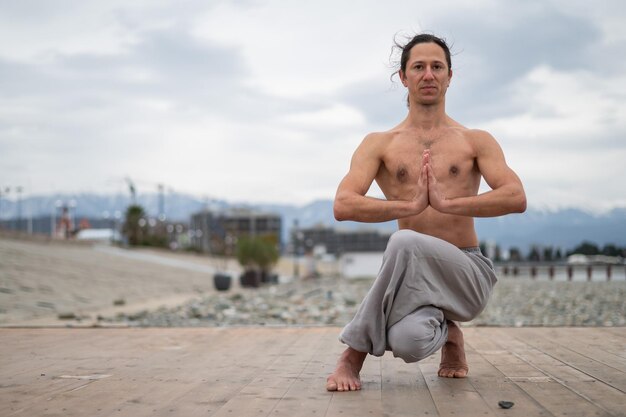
(429, 168)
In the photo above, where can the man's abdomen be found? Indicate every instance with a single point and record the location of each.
(457, 230)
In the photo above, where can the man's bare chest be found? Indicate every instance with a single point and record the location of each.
(450, 159)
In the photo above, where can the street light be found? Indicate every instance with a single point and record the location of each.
(19, 190)
(72, 206)
(6, 191)
(57, 206)
(117, 215)
(297, 235)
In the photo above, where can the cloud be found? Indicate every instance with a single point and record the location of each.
(267, 100)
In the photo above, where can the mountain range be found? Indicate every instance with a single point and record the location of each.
(564, 228)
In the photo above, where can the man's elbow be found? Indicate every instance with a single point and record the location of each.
(520, 203)
(341, 209)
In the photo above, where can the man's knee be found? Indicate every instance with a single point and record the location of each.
(404, 239)
(413, 340)
(410, 346)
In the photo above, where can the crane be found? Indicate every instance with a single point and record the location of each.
(132, 189)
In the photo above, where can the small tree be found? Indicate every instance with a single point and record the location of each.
(585, 248)
(498, 254)
(534, 256)
(548, 254)
(256, 253)
(558, 256)
(611, 250)
(515, 255)
(268, 257)
(133, 228)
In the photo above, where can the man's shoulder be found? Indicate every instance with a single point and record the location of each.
(379, 139)
(387, 134)
(481, 141)
(475, 136)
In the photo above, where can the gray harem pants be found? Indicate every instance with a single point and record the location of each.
(423, 282)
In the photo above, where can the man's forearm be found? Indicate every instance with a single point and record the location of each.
(504, 200)
(373, 210)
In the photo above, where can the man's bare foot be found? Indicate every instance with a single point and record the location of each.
(453, 363)
(346, 375)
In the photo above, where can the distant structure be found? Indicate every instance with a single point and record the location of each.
(321, 239)
(217, 232)
(65, 226)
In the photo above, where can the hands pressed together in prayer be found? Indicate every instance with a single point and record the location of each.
(428, 192)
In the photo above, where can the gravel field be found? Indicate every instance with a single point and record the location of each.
(328, 301)
(46, 283)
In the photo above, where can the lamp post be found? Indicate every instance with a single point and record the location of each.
(6, 191)
(57, 207)
(106, 216)
(297, 237)
(117, 215)
(19, 190)
(161, 213)
(72, 206)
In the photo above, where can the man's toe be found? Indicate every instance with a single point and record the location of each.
(331, 386)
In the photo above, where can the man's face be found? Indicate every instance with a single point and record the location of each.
(427, 75)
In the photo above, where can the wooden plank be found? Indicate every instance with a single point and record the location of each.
(29, 362)
(155, 382)
(482, 341)
(603, 340)
(601, 395)
(269, 387)
(43, 379)
(307, 396)
(210, 376)
(490, 371)
(616, 331)
(453, 396)
(282, 371)
(224, 375)
(493, 385)
(551, 392)
(586, 344)
(605, 373)
(105, 354)
(404, 389)
(18, 401)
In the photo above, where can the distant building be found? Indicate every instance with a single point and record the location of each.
(49, 225)
(99, 235)
(322, 239)
(217, 231)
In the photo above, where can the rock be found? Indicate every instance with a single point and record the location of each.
(45, 304)
(350, 302)
(506, 404)
(330, 301)
(67, 316)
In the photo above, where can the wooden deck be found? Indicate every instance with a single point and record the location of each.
(240, 372)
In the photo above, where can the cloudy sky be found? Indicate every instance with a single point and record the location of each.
(265, 101)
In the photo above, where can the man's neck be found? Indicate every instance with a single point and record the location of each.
(427, 117)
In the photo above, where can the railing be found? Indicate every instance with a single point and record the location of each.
(562, 271)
